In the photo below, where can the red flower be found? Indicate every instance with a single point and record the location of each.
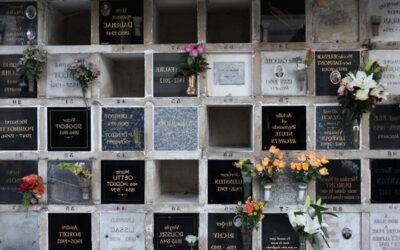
(39, 190)
(24, 186)
(30, 179)
(376, 65)
(309, 53)
(373, 106)
(249, 208)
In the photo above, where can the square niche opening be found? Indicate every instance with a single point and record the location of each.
(230, 127)
(283, 21)
(175, 21)
(177, 181)
(69, 22)
(229, 21)
(122, 75)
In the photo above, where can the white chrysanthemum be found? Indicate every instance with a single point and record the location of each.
(362, 95)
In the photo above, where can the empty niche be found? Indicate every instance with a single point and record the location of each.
(175, 21)
(122, 75)
(69, 22)
(177, 181)
(283, 21)
(230, 127)
(229, 21)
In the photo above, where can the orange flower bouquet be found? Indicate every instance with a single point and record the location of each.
(271, 166)
(309, 168)
(32, 189)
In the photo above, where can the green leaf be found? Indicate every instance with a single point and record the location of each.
(319, 201)
(308, 201)
(325, 231)
(368, 66)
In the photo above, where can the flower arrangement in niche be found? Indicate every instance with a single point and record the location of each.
(32, 189)
(271, 166)
(77, 169)
(303, 64)
(193, 64)
(308, 223)
(248, 172)
(360, 91)
(191, 240)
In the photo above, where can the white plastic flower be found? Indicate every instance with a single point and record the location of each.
(301, 66)
(312, 225)
(362, 95)
(191, 239)
(363, 81)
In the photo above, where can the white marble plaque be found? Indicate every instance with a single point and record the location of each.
(384, 13)
(122, 231)
(229, 75)
(344, 231)
(59, 81)
(385, 231)
(279, 74)
(391, 77)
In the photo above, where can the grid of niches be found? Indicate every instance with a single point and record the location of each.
(153, 159)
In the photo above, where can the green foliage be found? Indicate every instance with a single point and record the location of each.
(32, 61)
(191, 65)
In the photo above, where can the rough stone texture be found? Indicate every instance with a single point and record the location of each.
(284, 191)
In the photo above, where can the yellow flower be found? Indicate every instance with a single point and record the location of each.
(324, 160)
(256, 207)
(276, 163)
(239, 203)
(261, 203)
(265, 161)
(255, 213)
(315, 162)
(323, 171)
(273, 150)
(247, 202)
(302, 158)
(282, 164)
(280, 156)
(259, 167)
(250, 214)
(262, 216)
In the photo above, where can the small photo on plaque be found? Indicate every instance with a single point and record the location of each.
(384, 127)
(68, 129)
(385, 179)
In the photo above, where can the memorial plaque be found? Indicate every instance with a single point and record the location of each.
(342, 185)
(391, 77)
(332, 132)
(19, 231)
(385, 181)
(121, 21)
(18, 23)
(384, 231)
(344, 231)
(383, 18)
(331, 67)
(122, 182)
(280, 75)
(285, 190)
(59, 80)
(170, 230)
(229, 73)
(11, 173)
(284, 127)
(64, 187)
(175, 129)
(222, 234)
(18, 129)
(122, 231)
(277, 233)
(165, 84)
(68, 129)
(11, 83)
(70, 231)
(225, 182)
(384, 128)
(122, 129)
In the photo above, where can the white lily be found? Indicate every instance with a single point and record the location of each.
(379, 92)
(292, 218)
(346, 80)
(363, 81)
(312, 225)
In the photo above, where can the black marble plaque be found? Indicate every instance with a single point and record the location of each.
(164, 69)
(170, 230)
(18, 129)
(284, 127)
(11, 84)
(384, 128)
(385, 181)
(68, 129)
(342, 185)
(122, 182)
(18, 23)
(222, 234)
(332, 132)
(121, 21)
(123, 129)
(331, 67)
(277, 233)
(225, 183)
(11, 173)
(70, 231)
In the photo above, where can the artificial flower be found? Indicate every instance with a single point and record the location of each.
(324, 160)
(194, 52)
(361, 95)
(188, 48)
(282, 164)
(280, 156)
(259, 167)
(302, 158)
(305, 166)
(275, 163)
(273, 149)
(323, 171)
(201, 49)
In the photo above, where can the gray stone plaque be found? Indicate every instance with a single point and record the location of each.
(391, 77)
(344, 231)
(285, 190)
(175, 129)
(19, 231)
(385, 233)
(59, 81)
(229, 73)
(280, 75)
(384, 15)
(122, 231)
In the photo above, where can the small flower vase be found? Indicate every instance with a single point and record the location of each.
(85, 187)
(301, 78)
(33, 201)
(302, 242)
(31, 83)
(246, 240)
(302, 192)
(192, 90)
(356, 129)
(267, 192)
(246, 187)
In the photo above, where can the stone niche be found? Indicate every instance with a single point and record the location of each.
(229, 21)
(68, 22)
(383, 24)
(122, 75)
(176, 181)
(175, 21)
(225, 121)
(19, 231)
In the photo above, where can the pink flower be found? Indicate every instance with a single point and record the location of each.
(253, 159)
(188, 48)
(201, 49)
(249, 208)
(348, 87)
(373, 106)
(341, 90)
(194, 52)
